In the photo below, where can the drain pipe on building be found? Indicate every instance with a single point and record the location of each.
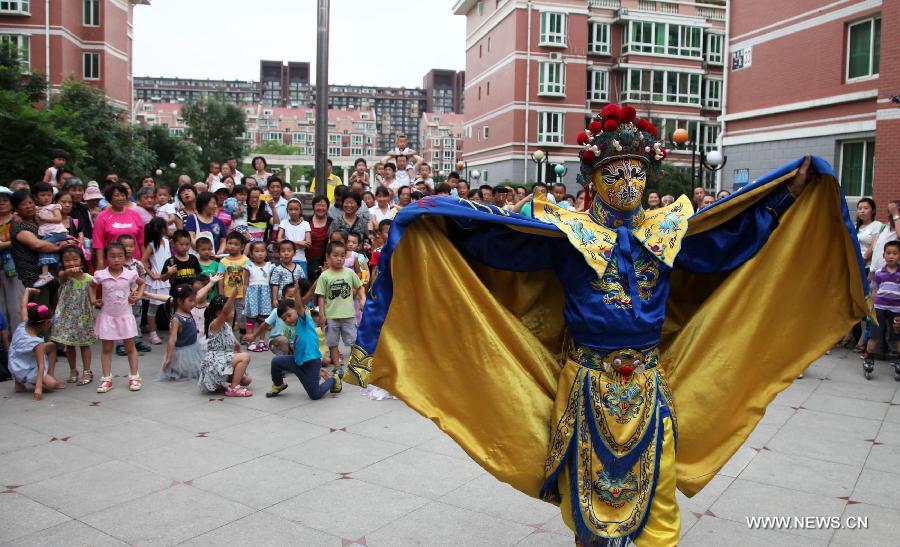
(527, 93)
(47, 44)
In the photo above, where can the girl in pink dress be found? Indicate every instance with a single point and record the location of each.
(121, 288)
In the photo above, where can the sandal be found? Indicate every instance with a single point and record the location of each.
(859, 349)
(262, 346)
(105, 384)
(134, 383)
(238, 391)
(73, 376)
(253, 346)
(86, 378)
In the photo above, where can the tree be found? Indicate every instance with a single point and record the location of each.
(276, 149)
(15, 78)
(27, 134)
(112, 144)
(168, 150)
(217, 128)
(670, 180)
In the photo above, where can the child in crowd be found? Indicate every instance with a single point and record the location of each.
(281, 336)
(182, 267)
(183, 352)
(4, 349)
(336, 288)
(236, 206)
(886, 296)
(223, 365)
(202, 286)
(298, 231)
(286, 273)
(354, 245)
(258, 299)
(384, 228)
(28, 353)
(208, 264)
(350, 259)
(156, 253)
(137, 308)
(121, 289)
(232, 283)
(166, 210)
(306, 360)
(73, 321)
(50, 229)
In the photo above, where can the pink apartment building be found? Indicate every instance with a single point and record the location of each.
(442, 140)
(89, 40)
(809, 77)
(536, 71)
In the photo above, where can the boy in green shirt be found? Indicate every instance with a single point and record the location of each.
(336, 288)
(208, 265)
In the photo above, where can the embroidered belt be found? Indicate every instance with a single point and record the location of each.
(624, 362)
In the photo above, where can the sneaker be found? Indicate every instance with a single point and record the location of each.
(134, 383)
(105, 384)
(43, 280)
(121, 351)
(338, 384)
(155, 339)
(275, 391)
(142, 347)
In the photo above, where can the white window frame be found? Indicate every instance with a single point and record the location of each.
(448, 154)
(176, 131)
(356, 140)
(601, 76)
(710, 102)
(334, 151)
(555, 88)
(598, 41)
(15, 7)
(90, 16)
(485, 132)
(649, 94)
(551, 127)
(436, 142)
(553, 37)
(23, 46)
(334, 140)
(86, 60)
(871, 75)
(356, 152)
(435, 154)
(710, 137)
(715, 44)
(862, 188)
(683, 49)
(298, 138)
(273, 136)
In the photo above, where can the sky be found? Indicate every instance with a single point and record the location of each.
(373, 42)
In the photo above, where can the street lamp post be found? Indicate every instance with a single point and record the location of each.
(714, 161)
(322, 97)
(539, 157)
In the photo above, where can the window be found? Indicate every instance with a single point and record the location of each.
(91, 13)
(661, 86)
(480, 8)
(484, 176)
(551, 78)
(662, 39)
(741, 176)
(435, 154)
(448, 143)
(148, 107)
(22, 44)
(863, 48)
(857, 167)
(553, 29)
(19, 7)
(714, 48)
(667, 126)
(176, 131)
(247, 136)
(91, 66)
(599, 39)
(448, 154)
(273, 136)
(334, 139)
(485, 132)
(550, 128)
(599, 85)
(713, 99)
(356, 140)
(710, 138)
(356, 152)
(334, 151)
(298, 138)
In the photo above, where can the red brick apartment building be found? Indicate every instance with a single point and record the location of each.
(815, 77)
(536, 70)
(86, 39)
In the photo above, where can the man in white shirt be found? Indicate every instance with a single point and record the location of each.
(238, 176)
(404, 174)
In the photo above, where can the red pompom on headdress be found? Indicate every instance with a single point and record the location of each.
(595, 127)
(611, 112)
(628, 114)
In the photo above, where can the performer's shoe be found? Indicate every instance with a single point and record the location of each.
(896, 364)
(360, 367)
(868, 367)
(338, 384)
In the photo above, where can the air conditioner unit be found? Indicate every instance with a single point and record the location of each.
(555, 56)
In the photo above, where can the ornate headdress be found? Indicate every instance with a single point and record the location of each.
(617, 133)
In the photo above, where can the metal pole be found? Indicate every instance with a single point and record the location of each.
(693, 167)
(322, 98)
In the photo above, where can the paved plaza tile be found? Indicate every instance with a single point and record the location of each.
(170, 465)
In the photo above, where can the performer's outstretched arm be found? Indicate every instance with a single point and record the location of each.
(505, 248)
(736, 241)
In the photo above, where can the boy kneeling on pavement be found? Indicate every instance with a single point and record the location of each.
(306, 360)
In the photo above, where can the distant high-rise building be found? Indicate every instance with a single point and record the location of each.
(442, 140)
(164, 89)
(283, 84)
(88, 40)
(444, 91)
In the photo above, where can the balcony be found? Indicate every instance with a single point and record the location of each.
(710, 10)
(609, 4)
